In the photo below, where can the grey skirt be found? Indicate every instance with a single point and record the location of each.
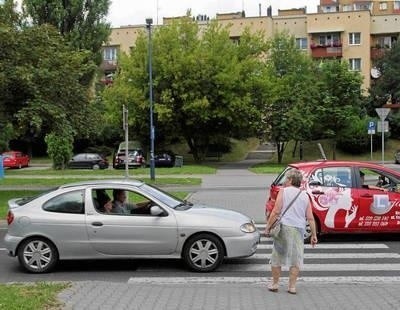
(288, 249)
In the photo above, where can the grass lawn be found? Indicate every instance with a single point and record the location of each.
(30, 296)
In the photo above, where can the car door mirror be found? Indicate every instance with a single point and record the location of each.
(156, 211)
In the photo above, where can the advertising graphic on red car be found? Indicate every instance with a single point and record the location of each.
(346, 197)
(15, 159)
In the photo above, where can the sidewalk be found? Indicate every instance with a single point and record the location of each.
(106, 295)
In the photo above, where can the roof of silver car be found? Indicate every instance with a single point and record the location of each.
(105, 182)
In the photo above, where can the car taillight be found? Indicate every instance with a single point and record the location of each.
(10, 217)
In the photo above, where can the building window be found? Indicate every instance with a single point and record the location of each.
(363, 6)
(355, 64)
(354, 38)
(347, 7)
(327, 40)
(386, 42)
(301, 43)
(396, 5)
(383, 5)
(110, 53)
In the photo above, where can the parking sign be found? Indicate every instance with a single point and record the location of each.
(371, 128)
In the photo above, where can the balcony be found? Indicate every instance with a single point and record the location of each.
(378, 52)
(108, 65)
(326, 51)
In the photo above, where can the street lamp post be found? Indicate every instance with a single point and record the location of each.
(149, 22)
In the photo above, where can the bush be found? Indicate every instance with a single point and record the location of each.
(59, 149)
(355, 139)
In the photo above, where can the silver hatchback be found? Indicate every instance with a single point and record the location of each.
(79, 221)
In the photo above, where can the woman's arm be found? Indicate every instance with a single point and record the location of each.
(275, 211)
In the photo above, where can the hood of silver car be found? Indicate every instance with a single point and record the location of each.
(204, 210)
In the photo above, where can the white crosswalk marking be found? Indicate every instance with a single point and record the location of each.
(335, 255)
(328, 262)
(335, 246)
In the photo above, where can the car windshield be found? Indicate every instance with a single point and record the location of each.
(166, 198)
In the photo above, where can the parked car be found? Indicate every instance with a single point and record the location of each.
(164, 159)
(68, 223)
(397, 157)
(135, 159)
(88, 161)
(15, 159)
(348, 197)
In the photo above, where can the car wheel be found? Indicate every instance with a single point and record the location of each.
(95, 167)
(203, 253)
(37, 255)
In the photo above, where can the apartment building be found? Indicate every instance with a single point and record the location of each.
(358, 31)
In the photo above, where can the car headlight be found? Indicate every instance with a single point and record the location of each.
(248, 228)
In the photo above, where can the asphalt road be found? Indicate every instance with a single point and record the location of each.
(336, 258)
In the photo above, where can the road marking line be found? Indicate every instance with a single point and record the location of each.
(307, 267)
(3, 249)
(313, 267)
(334, 255)
(336, 246)
(255, 280)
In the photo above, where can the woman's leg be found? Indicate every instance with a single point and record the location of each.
(293, 274)
(276, 273)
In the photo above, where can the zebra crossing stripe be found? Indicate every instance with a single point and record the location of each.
(334, 255)
(313, 267)
(256, 280)
(3, 249)
(335, 246)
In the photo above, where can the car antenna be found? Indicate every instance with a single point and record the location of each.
(322, 151)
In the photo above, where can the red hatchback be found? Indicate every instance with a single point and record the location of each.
(15, 159)
(348, 197)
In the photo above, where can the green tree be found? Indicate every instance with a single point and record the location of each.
(81, 22)
(387, 86)
(339, 98)
(202, 84)
(289, 93)
(40, 83)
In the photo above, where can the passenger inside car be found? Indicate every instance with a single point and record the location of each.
(362, 177)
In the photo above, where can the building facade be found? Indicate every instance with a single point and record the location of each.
(358, 31)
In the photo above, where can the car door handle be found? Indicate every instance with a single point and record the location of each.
(317, 192)
(366, 195)
(97, 224)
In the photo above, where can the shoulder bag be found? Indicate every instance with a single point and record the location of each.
(276, 226)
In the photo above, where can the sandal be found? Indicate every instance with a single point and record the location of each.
(273, 287)
(292, 290)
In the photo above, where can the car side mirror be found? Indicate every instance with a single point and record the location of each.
(156, 211)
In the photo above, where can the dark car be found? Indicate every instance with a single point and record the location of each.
(136, 159)
(164, 159)
(88, 161)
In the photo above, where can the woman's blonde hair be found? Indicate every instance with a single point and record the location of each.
(295, 177)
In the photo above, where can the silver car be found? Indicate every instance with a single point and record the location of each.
(72, 222)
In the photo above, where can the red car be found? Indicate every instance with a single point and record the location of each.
(348, 197)
(15, 159)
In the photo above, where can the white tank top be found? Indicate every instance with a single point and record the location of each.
(296, 214)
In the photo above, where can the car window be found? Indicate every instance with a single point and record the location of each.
(79, 157)
(280, 180)
(332, 177)
(71, 202)
(382, 179)
(92, 156)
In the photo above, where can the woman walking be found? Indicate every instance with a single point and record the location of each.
(288, 249)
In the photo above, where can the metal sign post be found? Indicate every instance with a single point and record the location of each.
(383, 113)
(125, 126)
(371, 131)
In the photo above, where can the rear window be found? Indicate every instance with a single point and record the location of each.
(24, 200)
